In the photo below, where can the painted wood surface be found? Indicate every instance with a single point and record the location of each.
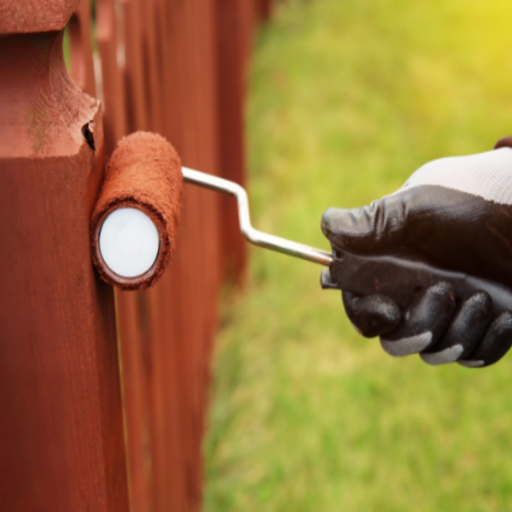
(177, 68)
(184, 78)
(61, 426)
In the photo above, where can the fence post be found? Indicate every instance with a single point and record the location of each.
(234, 24)
(61, 426)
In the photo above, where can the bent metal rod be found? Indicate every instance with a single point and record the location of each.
(252, 235)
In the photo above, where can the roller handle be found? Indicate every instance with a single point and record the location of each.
(402, 279)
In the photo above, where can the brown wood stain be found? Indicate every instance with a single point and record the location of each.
(61, 425)
(173, 67)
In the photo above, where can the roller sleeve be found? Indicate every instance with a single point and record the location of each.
(135, 220)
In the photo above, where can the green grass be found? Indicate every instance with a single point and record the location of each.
(347, 98)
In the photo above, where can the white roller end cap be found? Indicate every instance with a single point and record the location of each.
(129, 242)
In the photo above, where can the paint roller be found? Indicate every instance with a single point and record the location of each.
(135, 221)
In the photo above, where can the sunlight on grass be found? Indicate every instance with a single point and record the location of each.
(347, 98)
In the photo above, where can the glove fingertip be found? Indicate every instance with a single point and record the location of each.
(496, 343)
(331, 221)
(374, 315)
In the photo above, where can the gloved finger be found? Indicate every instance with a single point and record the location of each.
(373, 315)
(424, 323)
(496, 343)
(367, 229)
(466, 330)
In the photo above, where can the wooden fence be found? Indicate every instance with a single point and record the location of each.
(94, 416)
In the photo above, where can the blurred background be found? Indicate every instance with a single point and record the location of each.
(347, 99)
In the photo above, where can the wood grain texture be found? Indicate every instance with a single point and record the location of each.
(166, 332)
(61, 425)
(184, 78)
(112, 72)
(176, 319)
(234, 24)
(138, 116)
(82, 67)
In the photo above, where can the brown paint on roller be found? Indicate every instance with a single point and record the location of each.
(143, 173)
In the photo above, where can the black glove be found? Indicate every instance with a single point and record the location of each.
(453, 214)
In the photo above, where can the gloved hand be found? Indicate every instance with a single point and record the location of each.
(455, 214)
